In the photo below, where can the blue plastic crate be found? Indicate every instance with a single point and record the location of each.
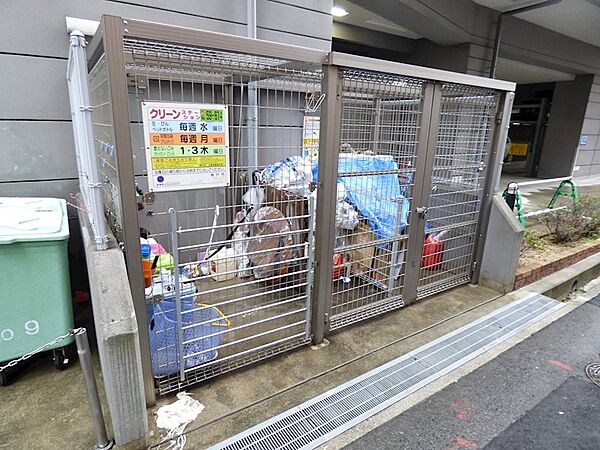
(208, 321)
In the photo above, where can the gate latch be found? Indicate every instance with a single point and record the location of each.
(422, 210)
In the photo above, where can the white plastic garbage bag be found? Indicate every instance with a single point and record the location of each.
(240, 246)
(254, 197)
(175, 417)
(346, 216)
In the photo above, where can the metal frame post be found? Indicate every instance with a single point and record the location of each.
(492, 178)
(395, 261)
(310, 264)
(81, 112)
(428, 135)
(329, 148)
(85, 361)
(112, 32)
(177, 282)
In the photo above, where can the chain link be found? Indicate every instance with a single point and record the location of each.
(14, 362)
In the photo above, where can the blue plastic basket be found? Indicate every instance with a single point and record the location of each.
(163, 334)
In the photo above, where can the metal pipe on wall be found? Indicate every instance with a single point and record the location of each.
(252, 110)
(500, 21)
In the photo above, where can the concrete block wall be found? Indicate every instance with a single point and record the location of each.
(36, 138)
(35, 122)
(588, 157)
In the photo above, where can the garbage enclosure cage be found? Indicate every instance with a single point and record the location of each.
(322, 188)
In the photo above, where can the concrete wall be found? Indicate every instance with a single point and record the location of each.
(569, 104)
(35, 130)
(588, 157)
(36, 140)
(452, 58)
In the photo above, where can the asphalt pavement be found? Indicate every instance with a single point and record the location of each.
(533, 396)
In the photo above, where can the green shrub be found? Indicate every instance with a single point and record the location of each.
(589, 208)
(572, 224)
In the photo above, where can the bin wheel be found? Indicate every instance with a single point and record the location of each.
(61, 359)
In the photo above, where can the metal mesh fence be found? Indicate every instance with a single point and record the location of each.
(244, 250)
(104, 141)
(234, 269)
(457, 183)
(381, 116)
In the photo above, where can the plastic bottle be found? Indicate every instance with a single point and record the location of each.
(146, 265)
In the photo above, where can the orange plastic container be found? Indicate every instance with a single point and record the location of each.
(147, 269)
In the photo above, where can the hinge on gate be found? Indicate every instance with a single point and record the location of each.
(499, 115)
(85, 108)
(474, 266)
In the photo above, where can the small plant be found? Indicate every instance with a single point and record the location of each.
(565, 225)
(589, 207)
(531, 241)
(570, 225)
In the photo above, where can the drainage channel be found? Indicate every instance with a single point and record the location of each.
(322, 418)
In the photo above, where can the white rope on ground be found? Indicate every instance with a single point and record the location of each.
(175, 417)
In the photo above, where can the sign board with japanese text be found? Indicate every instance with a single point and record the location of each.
(310, 135)
(187, 145)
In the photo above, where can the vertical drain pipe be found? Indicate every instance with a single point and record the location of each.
(252, 108)
(499, 22)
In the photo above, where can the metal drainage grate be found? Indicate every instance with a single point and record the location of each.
(330, 414)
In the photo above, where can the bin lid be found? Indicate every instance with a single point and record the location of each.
(26, 219)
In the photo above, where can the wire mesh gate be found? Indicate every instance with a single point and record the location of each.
(396, 161)
(247, 247)
(414, 157)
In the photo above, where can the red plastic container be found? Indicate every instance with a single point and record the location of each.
(338, 266)
(432, 252)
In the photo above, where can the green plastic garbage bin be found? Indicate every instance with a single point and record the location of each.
(35, 294)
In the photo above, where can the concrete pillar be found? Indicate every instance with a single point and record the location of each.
(588, 156)
(562, 138)
(118, 341)
(502, 248)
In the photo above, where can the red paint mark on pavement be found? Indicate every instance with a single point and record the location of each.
(561, 364)
(463, 407)
(461, 442)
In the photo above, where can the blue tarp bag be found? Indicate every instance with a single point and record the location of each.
(376, 196)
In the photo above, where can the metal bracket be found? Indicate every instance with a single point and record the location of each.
(314, 100)
(85, 108)
(137, 82)
(150, 198)
(422, 210)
